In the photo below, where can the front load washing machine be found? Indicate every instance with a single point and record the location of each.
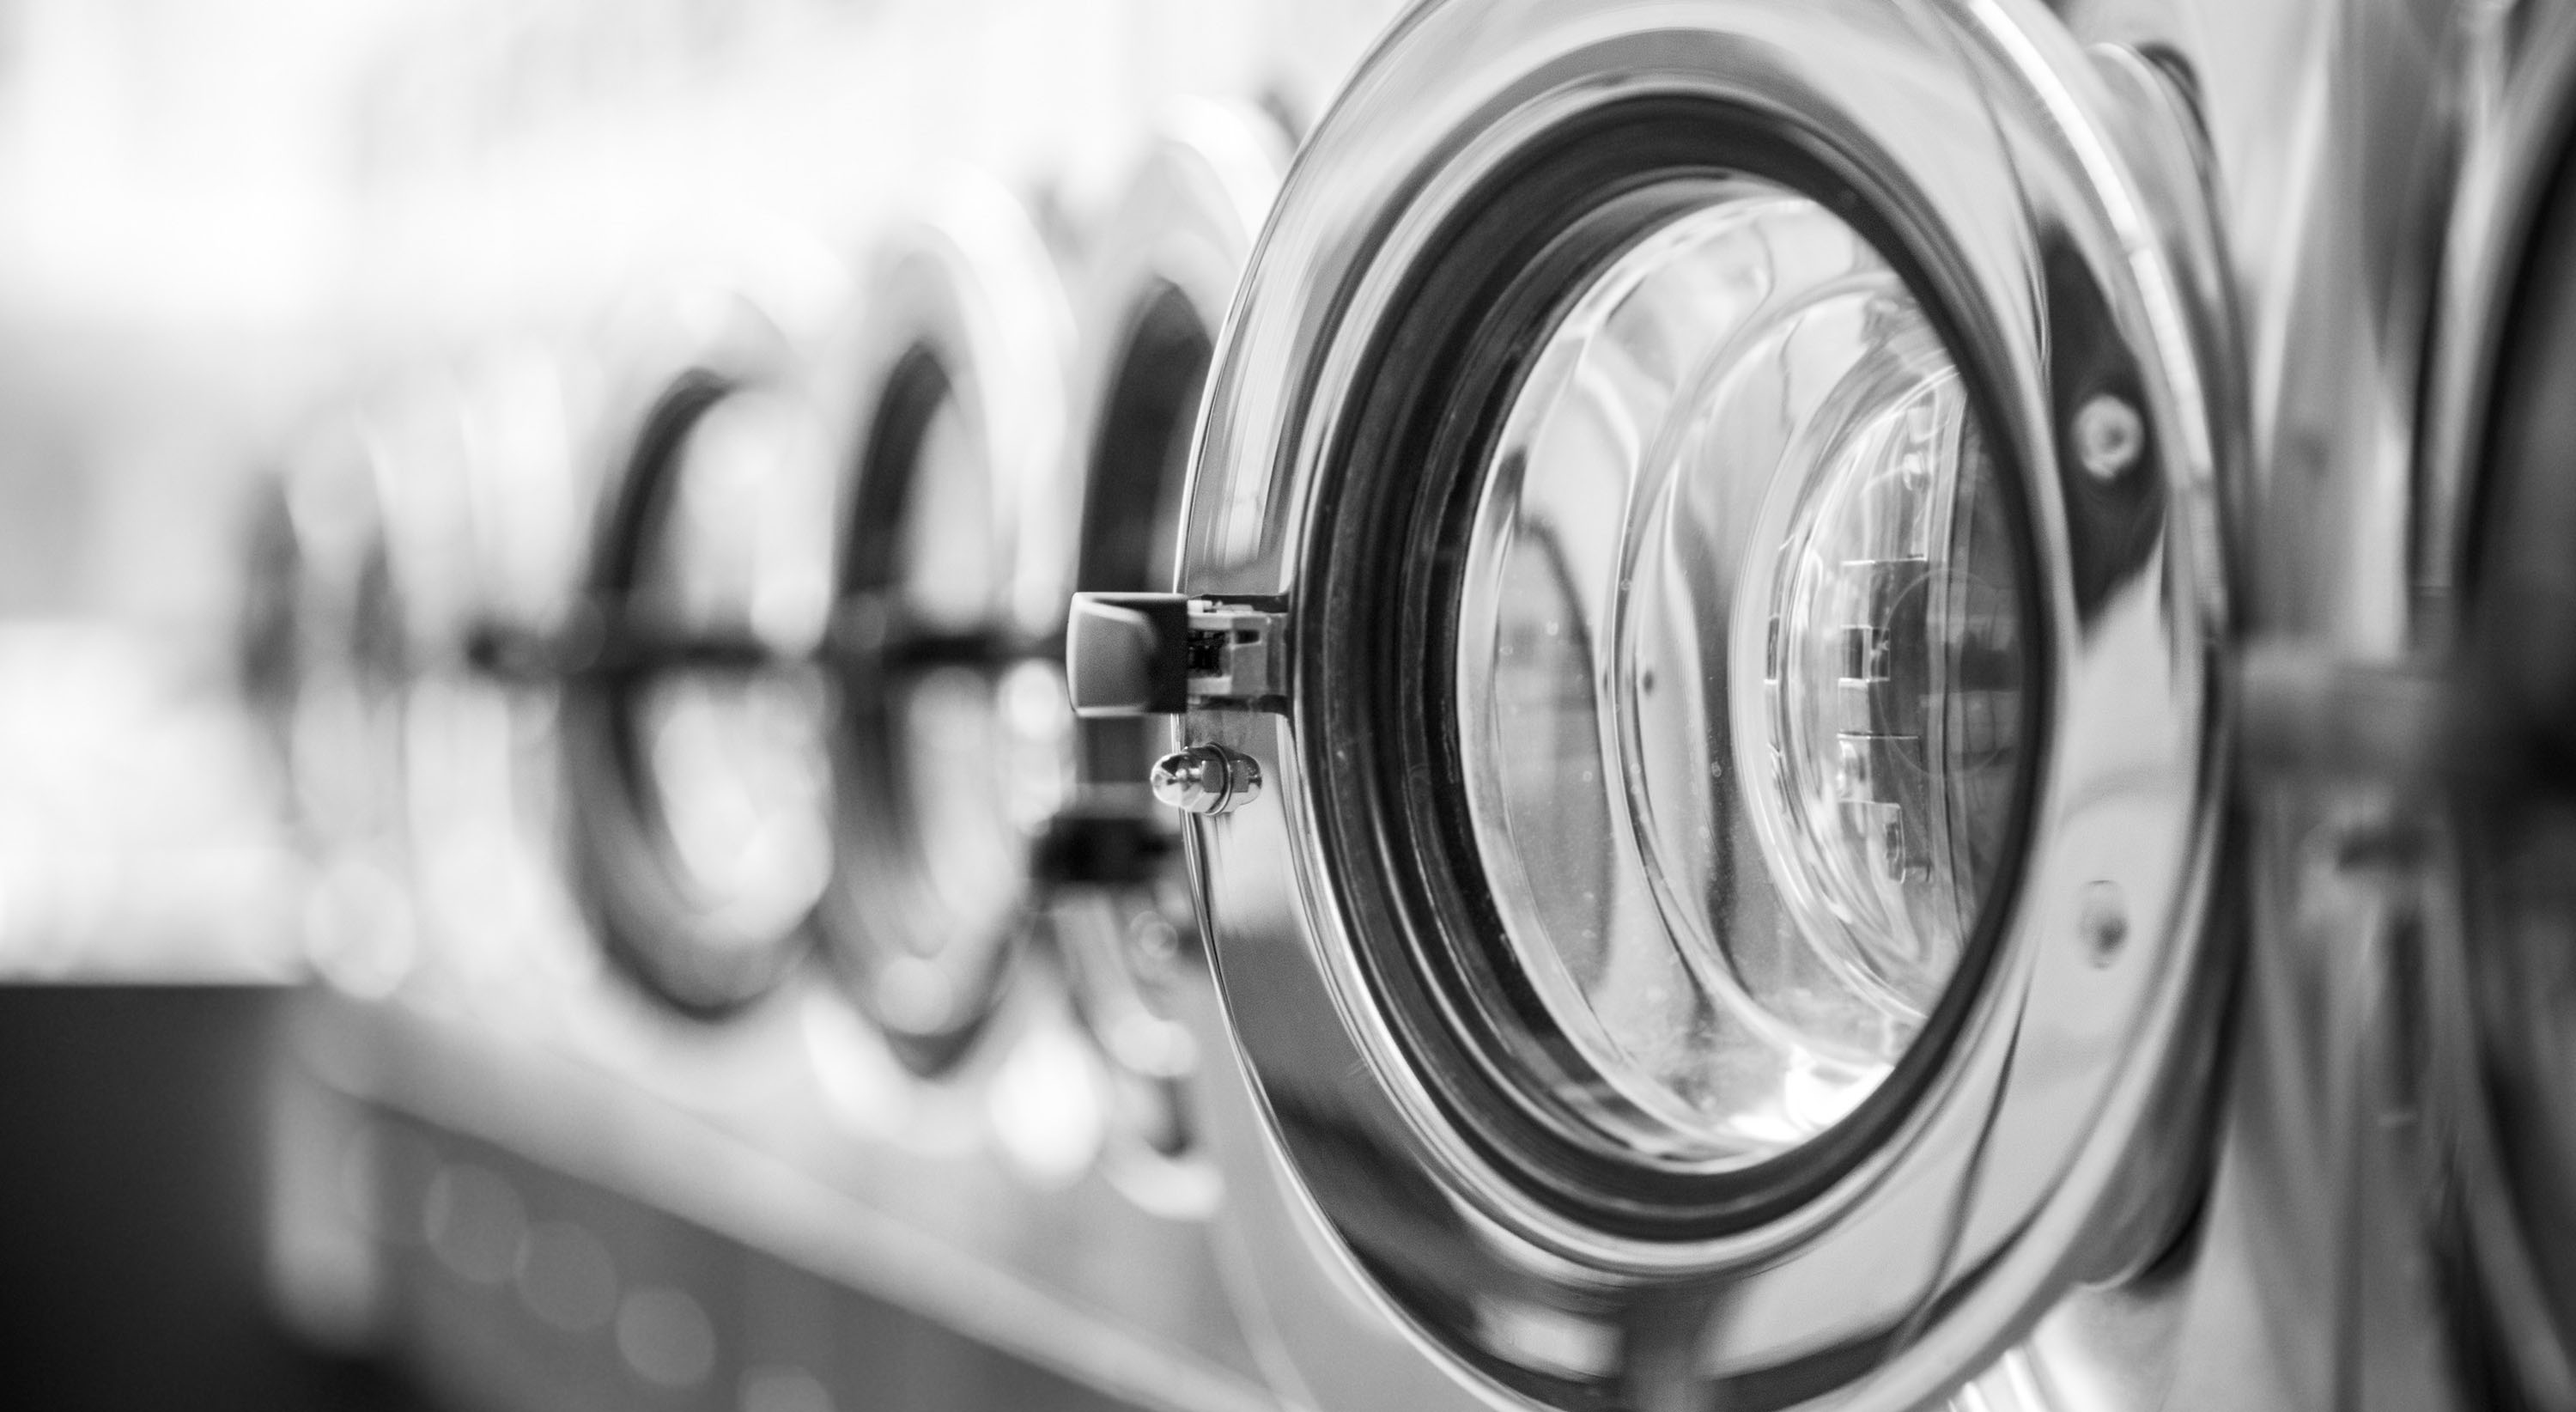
(694, 724)
(1701, 669)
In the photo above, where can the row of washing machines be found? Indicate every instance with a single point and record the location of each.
(1711, 704)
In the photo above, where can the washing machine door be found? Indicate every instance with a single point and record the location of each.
(496, 537)
(350, 650)
(334, 672)
(1694, 661)
(950, 752)
(694, 720)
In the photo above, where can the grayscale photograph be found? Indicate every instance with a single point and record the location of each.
(1288, 705)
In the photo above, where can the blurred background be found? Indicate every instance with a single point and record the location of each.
(315, 1092)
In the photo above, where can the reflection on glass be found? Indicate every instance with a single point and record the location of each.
(736, 763)
(1739, 679)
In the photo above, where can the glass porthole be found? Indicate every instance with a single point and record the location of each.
(695, 733)
(732, 762)
(1725, 495)
(1738, 676)
(952, 749)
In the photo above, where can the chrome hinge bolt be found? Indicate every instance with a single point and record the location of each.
(1207, 779)
(2109, 435)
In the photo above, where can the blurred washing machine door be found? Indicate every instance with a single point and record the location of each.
(1694, 656)
(949, 752)
(1155, 288)
(530, 410)
(348, 650)
(694, 717)
(329, 667)
(504, 519)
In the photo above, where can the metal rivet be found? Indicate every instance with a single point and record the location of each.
(2109, 435)
(2104, 920)
(1207, 779)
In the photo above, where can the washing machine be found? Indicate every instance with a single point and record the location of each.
(488, 528)
(1780, 705)
(951, 750)
(693, 730)
(325, 652)
(1729, 548)
(772, 1146)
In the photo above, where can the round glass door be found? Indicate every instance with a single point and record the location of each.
(701, 786)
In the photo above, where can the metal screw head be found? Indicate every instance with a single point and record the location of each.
(2104, 920)
(1207, 779)
(2109, 435)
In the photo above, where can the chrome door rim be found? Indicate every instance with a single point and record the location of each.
(1446, 100)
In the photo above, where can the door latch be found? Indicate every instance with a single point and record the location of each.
(1159, 654)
